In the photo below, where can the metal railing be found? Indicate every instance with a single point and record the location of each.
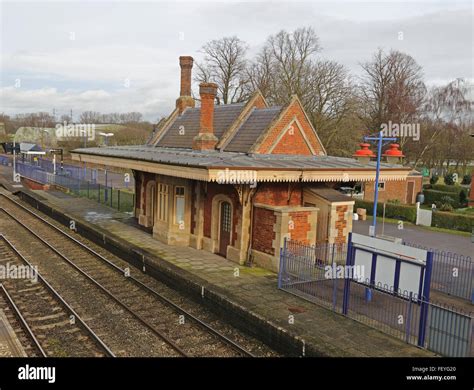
(453, 273)
(316, 273)
(120, 199)
(5, 160)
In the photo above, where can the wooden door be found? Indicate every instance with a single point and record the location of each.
(410, 190)
(225, 227)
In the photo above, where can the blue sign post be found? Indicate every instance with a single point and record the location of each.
(380, 140)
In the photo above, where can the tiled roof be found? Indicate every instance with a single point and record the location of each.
(216, 159)
(252, 128)
(186, 126)
(330, 194)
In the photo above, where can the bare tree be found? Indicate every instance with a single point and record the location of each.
(446, 127)
(225, 64)
(65, 118)
(287, 65)
(90, 117)
(284, 65)
(260, 74)
(36, 119)
(391, 89)
(328, 99)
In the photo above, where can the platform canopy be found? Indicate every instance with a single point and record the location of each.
(210, 165)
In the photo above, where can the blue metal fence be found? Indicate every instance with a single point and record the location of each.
(311, 272)
(93, 175)
(5, 160)
(453, 273)
(119, 199)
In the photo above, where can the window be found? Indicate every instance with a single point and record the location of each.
(226, 217)
(381, 185)
(179, 205)
(163, 202)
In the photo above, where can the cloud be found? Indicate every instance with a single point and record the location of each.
(125, 57)
(114, 63)
(144, 100)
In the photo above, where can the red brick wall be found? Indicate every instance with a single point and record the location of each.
(418, 186)
(34, 185)
(276, 194)
(259, 102)
(214, 189)
(294, 110)
(393, 190)
(301, 226)
(262, 230)
(292, 142)
(341, 224)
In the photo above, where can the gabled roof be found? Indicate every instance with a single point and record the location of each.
(248, 133)
(284, 111)
(181, 132)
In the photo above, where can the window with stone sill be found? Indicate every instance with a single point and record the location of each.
(163, 202)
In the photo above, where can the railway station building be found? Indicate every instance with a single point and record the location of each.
(236, 179)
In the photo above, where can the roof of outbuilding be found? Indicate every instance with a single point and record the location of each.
(330, 194)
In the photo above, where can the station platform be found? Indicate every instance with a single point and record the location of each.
(250, 289)
(10, 346)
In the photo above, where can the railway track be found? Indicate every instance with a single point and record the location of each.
(47, 326)
(181, 331)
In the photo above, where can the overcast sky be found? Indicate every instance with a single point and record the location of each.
(123, 56)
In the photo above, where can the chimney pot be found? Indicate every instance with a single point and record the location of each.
(206, 140)
(186, 64)
(208, 89)
(185, 100)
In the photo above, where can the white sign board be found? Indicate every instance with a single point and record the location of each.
(387, 255)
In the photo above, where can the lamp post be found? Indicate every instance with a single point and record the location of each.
(15, 177)
(105, 188)
(380, 139)
(106, 138)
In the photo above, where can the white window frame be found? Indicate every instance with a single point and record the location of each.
(163, 205)
(176, 197)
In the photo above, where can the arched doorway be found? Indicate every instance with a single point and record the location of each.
(225, 227)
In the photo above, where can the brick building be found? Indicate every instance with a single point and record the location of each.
(404, 191)
(236, 179)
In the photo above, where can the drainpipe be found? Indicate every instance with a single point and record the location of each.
(249, 246)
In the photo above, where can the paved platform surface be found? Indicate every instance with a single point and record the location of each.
(421, 236)
(10, 346)
(253, 288)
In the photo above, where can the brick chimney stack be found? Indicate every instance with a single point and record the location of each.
(206, 140)
(185, 99)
